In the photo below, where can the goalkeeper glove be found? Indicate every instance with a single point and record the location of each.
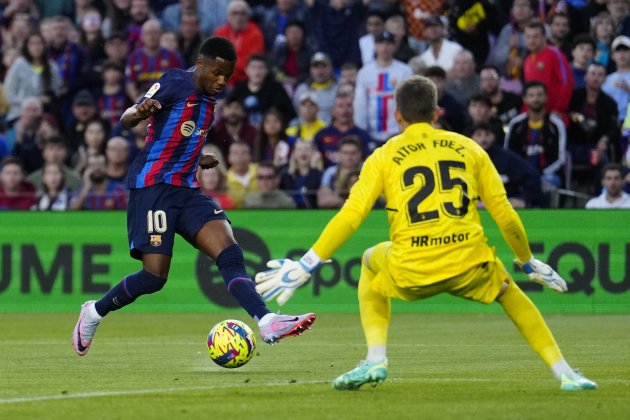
(542, 273)
(285, 277)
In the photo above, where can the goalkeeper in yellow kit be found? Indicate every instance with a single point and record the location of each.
(431, 180)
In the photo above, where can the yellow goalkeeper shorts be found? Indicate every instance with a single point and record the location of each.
(481, 283)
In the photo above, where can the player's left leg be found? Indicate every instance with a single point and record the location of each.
(375, 312)
(216, 240)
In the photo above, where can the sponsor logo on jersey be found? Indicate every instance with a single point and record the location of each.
(202, 133)
(188, 128)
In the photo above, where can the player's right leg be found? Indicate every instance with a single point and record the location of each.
(151, 224)
(375, 318)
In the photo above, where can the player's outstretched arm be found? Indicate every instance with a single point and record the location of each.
(138, 112)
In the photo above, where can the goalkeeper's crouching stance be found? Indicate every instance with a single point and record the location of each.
(431, 180)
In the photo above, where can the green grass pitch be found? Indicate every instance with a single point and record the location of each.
(441, 367)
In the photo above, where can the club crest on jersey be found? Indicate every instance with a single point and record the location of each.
(156, 240)
(188, 128)
(152, 90)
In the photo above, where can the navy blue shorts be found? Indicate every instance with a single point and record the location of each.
(155, 214)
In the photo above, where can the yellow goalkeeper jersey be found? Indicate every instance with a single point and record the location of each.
(432, 180)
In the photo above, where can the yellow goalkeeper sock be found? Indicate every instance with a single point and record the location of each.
(375, 311)
(530, 323)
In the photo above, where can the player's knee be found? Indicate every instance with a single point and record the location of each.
(150, 283)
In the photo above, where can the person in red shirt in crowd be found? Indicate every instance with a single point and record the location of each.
(245, 35)
(15, 192)
(548, 65)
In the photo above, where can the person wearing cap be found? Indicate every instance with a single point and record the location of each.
(307, 124)
(374, 94)
(617, 84)
(322, 83)
(441, 51)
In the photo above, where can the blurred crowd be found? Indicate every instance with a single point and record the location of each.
(542, 85)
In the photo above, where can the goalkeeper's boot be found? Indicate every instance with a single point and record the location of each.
(281, 326)
(84, 330)
(372, 373)
(576, 383)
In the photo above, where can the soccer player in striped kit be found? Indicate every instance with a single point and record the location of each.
(165, 199)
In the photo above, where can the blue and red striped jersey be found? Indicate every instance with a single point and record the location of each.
(176, 133)
(144, 69)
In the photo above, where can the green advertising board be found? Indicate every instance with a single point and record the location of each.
(52, 262)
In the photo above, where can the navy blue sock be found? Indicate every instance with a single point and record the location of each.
(131, 287)
(232, 267)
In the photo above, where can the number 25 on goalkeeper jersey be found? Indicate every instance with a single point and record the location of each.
(432, 180)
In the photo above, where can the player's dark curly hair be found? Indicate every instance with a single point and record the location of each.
(218, 46)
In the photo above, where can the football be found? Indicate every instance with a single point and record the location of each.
(231, 343)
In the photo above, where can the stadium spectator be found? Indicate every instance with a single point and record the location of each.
(593, 132)
(349, 73)
(549, 66)
(613, 196)
(15, 192)
(307, 125)
(83, 110)
(117, 17)
(117, 153)
(332, 192)
(374, 93)
(303, 175)
(268, 195)
(147, 64)
(140, 12)
(321, 83)
(334, 29)
(241, 174)
(70, 59)
(506, 105)
(213, 183)
(20, 27)
(374, 26)
(560, 33)
(410, 268)
(117, 48)
(602, 30)
(92, 42)
(451, 114)
(32, 74)
(260, 91)
(24, 135)
(618, 10)
(111, 99)
(208, 18)
(473, 24)
(168, 41)
(582, 54)
(272, 144)
(328, 138)
(273, 20)
(290, 60)
(617, 84)
(539, 136)
(397, 26)
(55, 151)
(479, 111)
(509, 50)
(97, 192)
(189, 38)
(415, 12)
(462, 82)
(245, 34)
(440, 51)
(55, 195)
(233, 125)
(520, 179)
